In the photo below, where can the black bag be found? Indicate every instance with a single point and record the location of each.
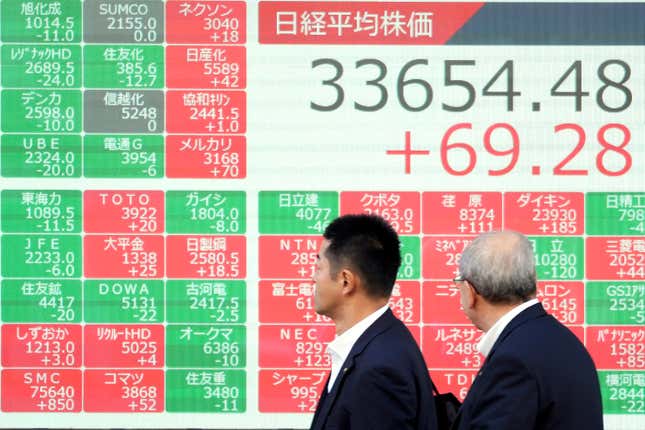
(447, 407)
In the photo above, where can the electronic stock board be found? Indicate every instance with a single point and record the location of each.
(167, 169)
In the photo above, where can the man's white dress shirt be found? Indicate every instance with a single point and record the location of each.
(340, 347)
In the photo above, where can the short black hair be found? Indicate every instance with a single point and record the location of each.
(369, 246)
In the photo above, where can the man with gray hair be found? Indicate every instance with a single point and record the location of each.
(537, 375)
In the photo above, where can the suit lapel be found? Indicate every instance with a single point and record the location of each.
(321, 404)
(325, 406)
(326, 401)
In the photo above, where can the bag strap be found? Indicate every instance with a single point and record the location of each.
(434, 388)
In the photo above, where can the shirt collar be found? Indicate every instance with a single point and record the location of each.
(490, 337)
(342, 344)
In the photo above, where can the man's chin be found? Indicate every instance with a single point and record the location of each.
(319, 310)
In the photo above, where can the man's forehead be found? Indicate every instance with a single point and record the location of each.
(323, 248)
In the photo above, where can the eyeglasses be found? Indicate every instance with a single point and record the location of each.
(461, 278)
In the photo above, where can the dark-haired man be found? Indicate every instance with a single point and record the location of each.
(537, 374)
(378, 379)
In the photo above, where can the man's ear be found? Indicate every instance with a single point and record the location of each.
(349, 281)
(470, 297)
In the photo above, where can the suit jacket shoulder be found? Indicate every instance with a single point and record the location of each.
(383, 383)
(538, 375)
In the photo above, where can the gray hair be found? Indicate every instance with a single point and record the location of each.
(501, 266)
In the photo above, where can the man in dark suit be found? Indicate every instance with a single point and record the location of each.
(378, 379)
(537, 374)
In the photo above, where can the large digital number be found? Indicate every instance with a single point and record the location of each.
(509, 93)
(449, 81)
(375, 83)
(401, 83)
(447, 146)
(514, 150)
(619, 149)
(576, 70)
(340, 94)
(559, 168)
(618, 85)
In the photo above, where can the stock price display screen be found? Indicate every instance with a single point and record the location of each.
(167, 169)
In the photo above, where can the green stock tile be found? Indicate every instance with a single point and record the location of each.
(41, 21)
(296, 212)
(123, 156)
(623, 392)
(558, 258)
(123, 66)
(41, 111)
(32, 211)
(40, 156)
(123, 301)
(41, 301)
(202, 345)
(41, 256)
(410, 257)
(41, 66)
(205, 390)
(611, 214)
(200, 301)
(615, 302)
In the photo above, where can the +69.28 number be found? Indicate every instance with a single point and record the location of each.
(612, 159)
(612, 75)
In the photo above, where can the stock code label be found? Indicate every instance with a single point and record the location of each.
(169, 168)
